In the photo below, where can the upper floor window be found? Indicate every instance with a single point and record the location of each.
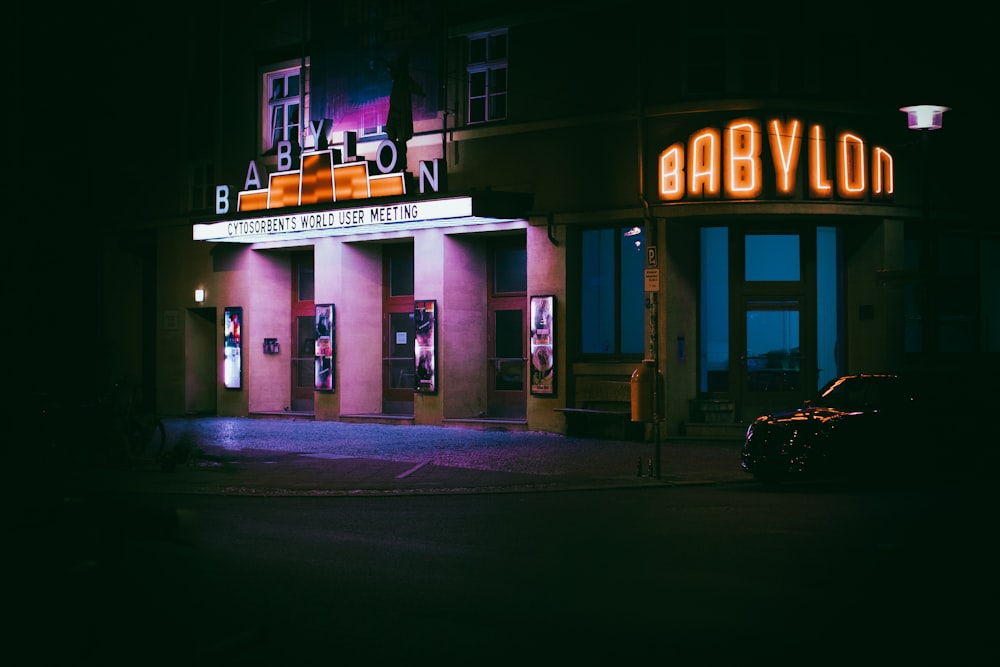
(372, 116)
(487, 76)
(744, 64)
(706, 65)
(285, 106)
(202, 185)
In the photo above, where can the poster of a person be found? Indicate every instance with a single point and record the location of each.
(324, 373)
(424, 330)
(232, 329)
(322, 321)
(233, 362)
(541, 317)
(541, 363)
(324, 347)
(542, 353)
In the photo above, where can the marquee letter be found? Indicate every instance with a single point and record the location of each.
(350, 147)
(316, 129)
(253, 178)
(851, 166)
(430, 180)
(384, 145)
(284, 155)
(786, 143)
(672, 173)
(819, 183)
(703, 171)
(743, 177)
(221, 199)
(882, 172)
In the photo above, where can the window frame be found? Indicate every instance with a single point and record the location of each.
(283, 70)
(201, 183)
(372, 122)
(489, 67)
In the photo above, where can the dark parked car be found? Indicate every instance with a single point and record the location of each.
(857, 426)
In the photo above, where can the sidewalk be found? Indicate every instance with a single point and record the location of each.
(287, 456)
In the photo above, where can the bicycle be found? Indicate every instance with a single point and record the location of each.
(145, 437)
(133, 435)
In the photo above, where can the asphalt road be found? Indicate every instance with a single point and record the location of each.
(691, 574)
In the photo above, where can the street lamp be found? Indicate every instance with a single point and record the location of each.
(924, 118)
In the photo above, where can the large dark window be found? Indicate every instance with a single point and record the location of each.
(963, 285)
(612, 308)
(305, 282)
(510, 273)
(400, 271)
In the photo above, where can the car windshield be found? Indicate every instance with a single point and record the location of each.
(853, 394)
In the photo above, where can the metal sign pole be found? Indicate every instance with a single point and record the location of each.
(653, 346)
(652, 292)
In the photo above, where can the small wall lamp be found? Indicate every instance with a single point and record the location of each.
(924, 116)
(199, 295)
(634, 231)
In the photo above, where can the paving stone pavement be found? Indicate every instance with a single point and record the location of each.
(296, 456)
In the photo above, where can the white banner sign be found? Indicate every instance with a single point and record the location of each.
(324, 222)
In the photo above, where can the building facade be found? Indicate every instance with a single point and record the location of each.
(412, 213)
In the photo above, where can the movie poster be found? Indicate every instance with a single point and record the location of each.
(325, 342)
(232, 365)
(542, 341)
(424, 323)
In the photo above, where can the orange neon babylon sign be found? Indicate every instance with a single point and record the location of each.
(730, 163)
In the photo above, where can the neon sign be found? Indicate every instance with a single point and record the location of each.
(730, 163)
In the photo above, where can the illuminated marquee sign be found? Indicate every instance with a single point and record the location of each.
(332, 222)
(731, 163)
(326, 176)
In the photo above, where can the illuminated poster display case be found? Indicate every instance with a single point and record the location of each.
(425, 350)
(325, 344)
(232, 350)
(541, 343)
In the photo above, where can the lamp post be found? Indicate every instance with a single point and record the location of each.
(924, 118)
(648, 374)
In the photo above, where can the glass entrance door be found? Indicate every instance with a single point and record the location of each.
(771, 371)
(304, 363)
(770, 315)
(398, 351)
(303, 356)
(772, 355)
(398, 365)
(505, 396)
(507, 332)
(774, 318)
